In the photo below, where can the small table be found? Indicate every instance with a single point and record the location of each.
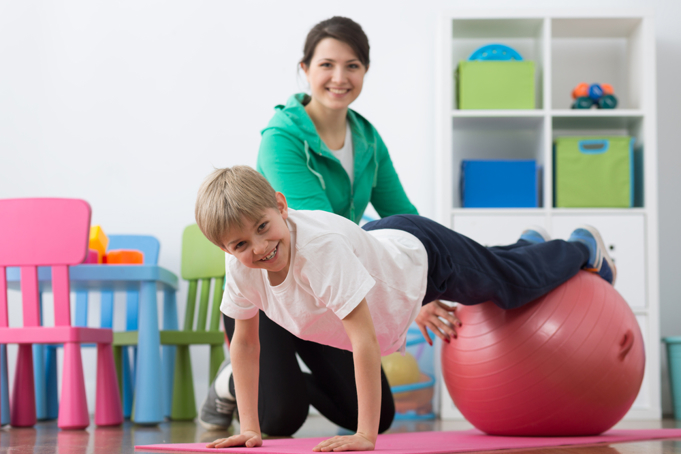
(147, 279)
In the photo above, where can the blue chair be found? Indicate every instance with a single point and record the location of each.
(47, 406)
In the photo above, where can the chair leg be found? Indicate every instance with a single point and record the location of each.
(73, 412)
(168, 376)
(108, 410)
(39, 380)
(217, 356)
(127, 376)
(148, 406)
(118, 361)
(184, 405)
(4, 387)
(22, 411)
(51, 382)
(169, 324)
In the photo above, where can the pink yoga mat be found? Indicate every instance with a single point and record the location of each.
(431, 442)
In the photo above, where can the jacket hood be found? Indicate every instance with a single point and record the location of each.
(292, 119)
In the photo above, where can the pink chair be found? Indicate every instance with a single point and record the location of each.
(54, 233)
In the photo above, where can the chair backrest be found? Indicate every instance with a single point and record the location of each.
(202, 261)
(42, 232)
(147, 244)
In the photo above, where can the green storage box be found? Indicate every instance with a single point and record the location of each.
(594, 172)
(495, 84)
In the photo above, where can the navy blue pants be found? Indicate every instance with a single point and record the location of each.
(463, 271)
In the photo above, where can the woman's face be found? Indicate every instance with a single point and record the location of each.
(335, 74)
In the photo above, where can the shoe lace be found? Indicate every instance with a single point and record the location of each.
(224, 406)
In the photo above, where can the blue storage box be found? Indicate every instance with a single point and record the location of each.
(499, 184)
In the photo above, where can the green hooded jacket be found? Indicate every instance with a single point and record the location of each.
(297, 163)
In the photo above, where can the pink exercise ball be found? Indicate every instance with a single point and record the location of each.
(570, 363)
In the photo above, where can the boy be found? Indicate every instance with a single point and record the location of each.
(325, 279)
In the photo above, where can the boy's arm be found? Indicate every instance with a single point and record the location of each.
(367, 356)
(244, 350)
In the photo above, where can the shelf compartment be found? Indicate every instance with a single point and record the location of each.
(597, 50)
(612, 125)
(524, 35)
(495, 138)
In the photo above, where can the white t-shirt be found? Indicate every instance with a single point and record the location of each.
(346, 154)
(334, 265)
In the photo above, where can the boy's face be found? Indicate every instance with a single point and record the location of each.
(263, 243)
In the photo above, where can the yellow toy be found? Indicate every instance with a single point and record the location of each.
(98, 241)
(401, 370)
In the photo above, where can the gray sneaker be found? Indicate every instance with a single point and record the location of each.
(216, 412)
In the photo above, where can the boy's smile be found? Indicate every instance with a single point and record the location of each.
(263, 243)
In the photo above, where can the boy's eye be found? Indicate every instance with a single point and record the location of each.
(238, 245)
(262, 226)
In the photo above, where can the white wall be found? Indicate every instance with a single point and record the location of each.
(129, 104)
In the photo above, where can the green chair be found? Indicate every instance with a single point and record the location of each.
(202, 262)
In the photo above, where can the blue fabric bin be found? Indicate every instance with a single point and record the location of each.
(499, 184)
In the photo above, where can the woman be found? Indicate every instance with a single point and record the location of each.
(322, 156)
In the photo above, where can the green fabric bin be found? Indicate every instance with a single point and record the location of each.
(495, 84)
(594, 172)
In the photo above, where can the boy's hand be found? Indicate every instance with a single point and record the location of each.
(431, 315)
(345, 443)
(249, 439)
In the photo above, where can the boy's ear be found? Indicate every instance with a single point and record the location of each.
(282, 205)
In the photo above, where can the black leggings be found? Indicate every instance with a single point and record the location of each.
(285, 392)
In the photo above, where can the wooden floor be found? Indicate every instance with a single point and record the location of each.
(46, 438)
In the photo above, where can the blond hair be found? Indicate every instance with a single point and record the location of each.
(227, 197)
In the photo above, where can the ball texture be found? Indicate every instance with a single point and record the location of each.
(570, 363)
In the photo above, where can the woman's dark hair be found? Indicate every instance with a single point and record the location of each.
(343, 29)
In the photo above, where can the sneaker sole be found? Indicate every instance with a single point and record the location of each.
(212, 427)
(209, 426)
(601, 245)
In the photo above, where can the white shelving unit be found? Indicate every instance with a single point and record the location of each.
(567, 48)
